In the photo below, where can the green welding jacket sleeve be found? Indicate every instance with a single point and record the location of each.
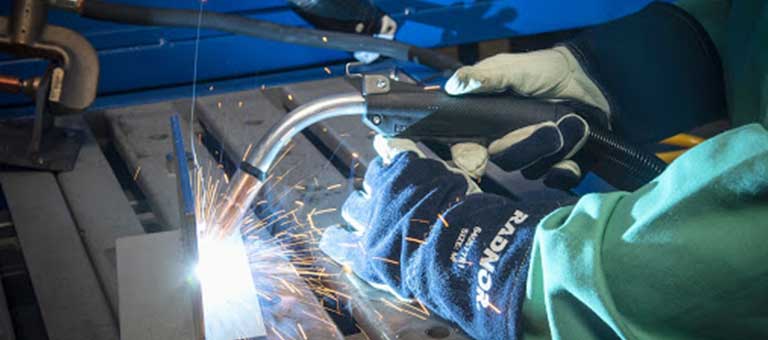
(684, 257)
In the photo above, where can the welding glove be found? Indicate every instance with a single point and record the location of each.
(541, 150)
(653, 74)
(421, 231)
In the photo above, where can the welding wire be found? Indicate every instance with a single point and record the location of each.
(192, 147)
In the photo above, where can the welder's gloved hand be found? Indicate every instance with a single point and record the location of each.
(422, 231)
(544, 149)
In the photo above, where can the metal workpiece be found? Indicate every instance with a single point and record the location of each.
(155, 295)
(188, 224)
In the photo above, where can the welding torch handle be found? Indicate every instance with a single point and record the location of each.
(437, 117)
(433, 116)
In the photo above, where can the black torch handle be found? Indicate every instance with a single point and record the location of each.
(435, 117)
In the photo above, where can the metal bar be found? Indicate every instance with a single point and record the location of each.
(100, 209)
(72, 303)
(188, 224)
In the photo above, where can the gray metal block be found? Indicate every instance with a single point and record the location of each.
(155, 298)
(72, 303)
(100, 209)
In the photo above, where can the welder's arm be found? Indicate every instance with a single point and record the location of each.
(654, 74)
(424, 231)
(683, 257)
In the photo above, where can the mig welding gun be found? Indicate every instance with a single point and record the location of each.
(404, 110)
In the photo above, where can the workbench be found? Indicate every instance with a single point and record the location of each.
(78, 216)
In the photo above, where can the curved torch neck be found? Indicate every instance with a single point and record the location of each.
(269, 147)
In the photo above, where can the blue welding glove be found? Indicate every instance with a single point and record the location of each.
(423, 231)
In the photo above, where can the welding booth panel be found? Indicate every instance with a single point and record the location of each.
(136, 58)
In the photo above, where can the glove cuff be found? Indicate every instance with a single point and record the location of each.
(655, 64)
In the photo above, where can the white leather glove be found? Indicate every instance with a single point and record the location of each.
(542, 149)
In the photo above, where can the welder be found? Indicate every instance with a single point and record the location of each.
(683, 257)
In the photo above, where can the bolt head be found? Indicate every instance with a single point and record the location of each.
(381, 83)
(376, 120)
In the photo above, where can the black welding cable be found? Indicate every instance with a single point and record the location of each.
(152, 16)
(351, 16)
